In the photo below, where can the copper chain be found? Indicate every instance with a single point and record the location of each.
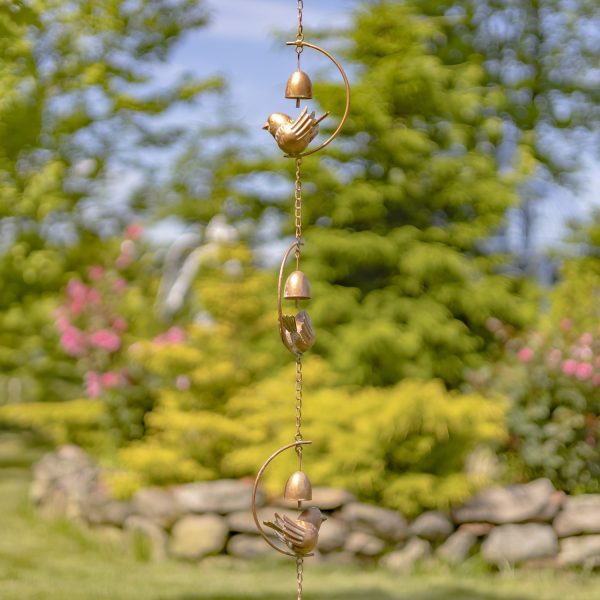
(298, 200)
(298, 436)
(300, 32)
(299, 575)
(298, 224)
(298, 210)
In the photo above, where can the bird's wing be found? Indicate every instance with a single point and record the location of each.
(288, 531)
(293, 531)
(306, 333)
(278, 530)
(299, 119)
(289, 323)
(305, 124)
(305, 330)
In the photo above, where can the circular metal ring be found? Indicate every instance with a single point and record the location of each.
(255, 488)
(301, 44)
(294, 244)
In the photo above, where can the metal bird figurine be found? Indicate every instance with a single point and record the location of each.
(293, 136)
(298, 333)
(300, 535)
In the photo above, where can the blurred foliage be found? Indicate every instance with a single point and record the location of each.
(404, 283)
(541, 55)
(77, 421)
(91, 329)
(552, 377)
(73, 75)
(233, 344)
(403, 446)
(399, 214)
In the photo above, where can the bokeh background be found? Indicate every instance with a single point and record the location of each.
(451, 237)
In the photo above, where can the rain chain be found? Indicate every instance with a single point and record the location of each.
(297, 537)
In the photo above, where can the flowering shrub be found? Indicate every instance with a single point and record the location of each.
(553, 379)
(101, 318)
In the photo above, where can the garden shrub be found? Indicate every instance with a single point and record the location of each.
(552, 377)
(404, 446)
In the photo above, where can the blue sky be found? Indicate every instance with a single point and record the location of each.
(245, 42)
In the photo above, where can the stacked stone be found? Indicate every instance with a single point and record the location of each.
(530, 524)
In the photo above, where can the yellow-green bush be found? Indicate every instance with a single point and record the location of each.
(403, 446)
(78, 421)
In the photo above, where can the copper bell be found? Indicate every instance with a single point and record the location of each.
(297, 287)
(299, 87)
(298, 487)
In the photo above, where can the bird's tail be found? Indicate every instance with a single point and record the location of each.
(274, 527)
(321, 118)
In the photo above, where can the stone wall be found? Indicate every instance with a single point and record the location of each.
(531, 524)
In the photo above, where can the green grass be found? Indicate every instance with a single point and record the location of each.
(60, 561)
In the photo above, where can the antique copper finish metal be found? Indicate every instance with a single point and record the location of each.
(296, 332)
(297, 537)
(301, 535)
(299, 333)
(298, 487)
(262, 532)
(297, 287)
(302, 44)
(299, 87)
(294, 135)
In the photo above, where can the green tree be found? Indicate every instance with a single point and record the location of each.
(543, 56)
(403, 287)
(79, 95)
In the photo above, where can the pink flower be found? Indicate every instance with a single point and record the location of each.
(94, 297)
(63, 324)
(582, 352)
(80, 295)
(586, 338)
(566, 324)
(126, 256)
(120, 284)
(525, 354)
(110, 379)
(73, 341)
(77, 293)
(124, 261)
(569, 366)
(554, 356)
(175, 335)
(596, 380)
(134, 231)
(584, 371)
(93, 385)
(76, 289)
(106, 340)
(182, 382)
(119, 324)
(96, 272)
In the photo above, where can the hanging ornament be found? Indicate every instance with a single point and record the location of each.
(297, 537)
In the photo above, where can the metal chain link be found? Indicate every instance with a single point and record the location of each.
(300, 32)
(298, 436)
(298, 224)
(299, 576)
(298, 206)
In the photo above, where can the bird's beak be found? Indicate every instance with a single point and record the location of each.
(324, 518)
(266, 126)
